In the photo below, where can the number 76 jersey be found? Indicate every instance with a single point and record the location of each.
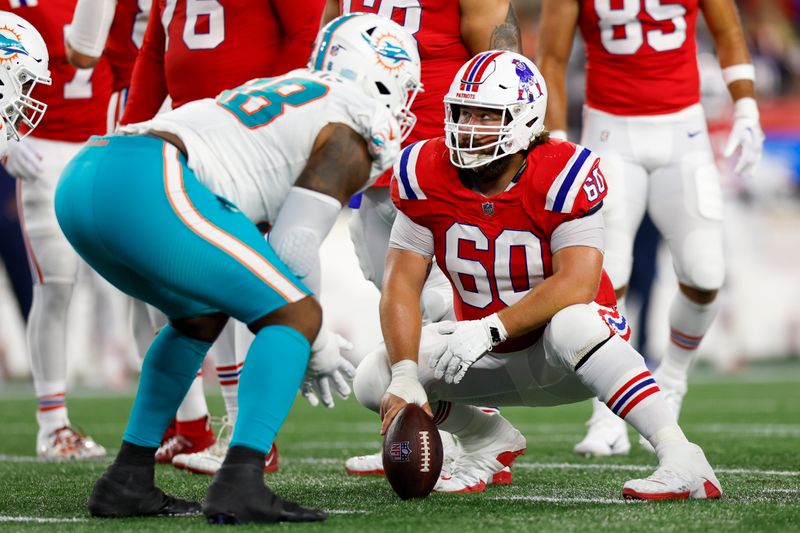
(495, 250)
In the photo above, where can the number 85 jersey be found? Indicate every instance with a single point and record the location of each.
(641, 55)
(250, 144)
(496, 249)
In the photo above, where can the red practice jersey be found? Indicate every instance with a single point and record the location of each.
(641, 56)
(436, 25)
(77, 100)
(194, 50)
(125, 38)
(494, 250)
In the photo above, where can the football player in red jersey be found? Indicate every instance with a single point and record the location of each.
(76, 109)
(448, 33)
(238, 40)
(643, 116)
(514, 220)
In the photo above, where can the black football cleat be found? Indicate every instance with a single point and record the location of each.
(238, 495)
(118, 495)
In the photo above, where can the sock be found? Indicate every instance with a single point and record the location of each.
(193, 406)
(271, 376)
(616, 373)
(168, 369)
(52, 411)
(134, 466)
(688, 322)
(243, 455)
(464, 421)
(228, 377)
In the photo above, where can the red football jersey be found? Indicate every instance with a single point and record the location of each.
(436, 24)
(124, 40)
(494, 250)
(196, 50)
(641, 55)
(77, 101)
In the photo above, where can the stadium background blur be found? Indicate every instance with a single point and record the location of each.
(759, 318)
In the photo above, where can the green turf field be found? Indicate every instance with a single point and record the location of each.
(749, 426)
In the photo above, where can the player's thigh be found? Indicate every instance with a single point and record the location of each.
(150, 212)
(685, 204)
(626, 200)
(370, 229)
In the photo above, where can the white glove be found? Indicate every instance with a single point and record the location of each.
(746, 132)
(405, 383)
(24, 161)
(469, 341)
(326, 365)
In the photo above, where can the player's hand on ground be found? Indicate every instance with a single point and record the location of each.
(328, 367)
(23, 161)
(747, 135)
(404, 388)
(467, 342)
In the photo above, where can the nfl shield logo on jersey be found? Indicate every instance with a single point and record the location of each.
(488, 208)
(400, 452)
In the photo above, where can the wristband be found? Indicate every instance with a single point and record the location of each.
(558, 134)
(744, 71)
(405, 369)
(497, 331)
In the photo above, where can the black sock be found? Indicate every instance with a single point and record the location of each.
(242, 455)
(134, 465)
(135, 455)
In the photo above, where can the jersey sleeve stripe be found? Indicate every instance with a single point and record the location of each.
(565, 187)
(409, 185)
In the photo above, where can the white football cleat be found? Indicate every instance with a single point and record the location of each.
(674, 391)
(210, 460)
(485, 458)
(607, 434)
(67, 444)
(682, 474)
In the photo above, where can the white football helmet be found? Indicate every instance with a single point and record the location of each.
(379, 55)
(23, 63)
(502, 81)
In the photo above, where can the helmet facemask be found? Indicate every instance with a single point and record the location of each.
(23, 113)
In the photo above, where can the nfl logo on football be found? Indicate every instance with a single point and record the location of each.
(400, 452)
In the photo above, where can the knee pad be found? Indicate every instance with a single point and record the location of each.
(437, 297)
(372, 379)
(358, 237)
(701, 263)
(572, 333)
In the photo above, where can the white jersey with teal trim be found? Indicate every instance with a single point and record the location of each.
(250, 144)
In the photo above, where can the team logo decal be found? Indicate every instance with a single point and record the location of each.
(616, 322)
(400, 452)
(389, 50)
(528, 88)
(488, 208)
(10, 47)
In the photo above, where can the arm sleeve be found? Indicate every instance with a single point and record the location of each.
(408, 235)
(149, 82)
(300, 23)
(91, 22)
(585, 231)
(305, 219)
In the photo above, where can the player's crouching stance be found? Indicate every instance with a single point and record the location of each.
(514, 220)
(168, 213)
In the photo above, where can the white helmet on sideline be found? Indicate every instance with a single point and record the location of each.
(501, 81)
(23, 63)
(376, 53)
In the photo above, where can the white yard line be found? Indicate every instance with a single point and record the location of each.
(40, 520)
(576, 499)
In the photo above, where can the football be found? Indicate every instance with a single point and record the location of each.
(412, 453)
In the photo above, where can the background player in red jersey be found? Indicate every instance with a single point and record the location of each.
(77, 102)
(642, 114)
(448, 33)
(237, 41)
(514, 221)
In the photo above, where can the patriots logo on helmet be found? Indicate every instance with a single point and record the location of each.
(10, 47)
(527, 82)
(389, 50)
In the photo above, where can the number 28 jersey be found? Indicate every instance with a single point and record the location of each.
(641, 55)
(494, 250)
(250, 144)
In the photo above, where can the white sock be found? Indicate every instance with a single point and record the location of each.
(616, 373)
(52, 411)
(464, 421)
(228, 377)
(688, 322)
(194, 404)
